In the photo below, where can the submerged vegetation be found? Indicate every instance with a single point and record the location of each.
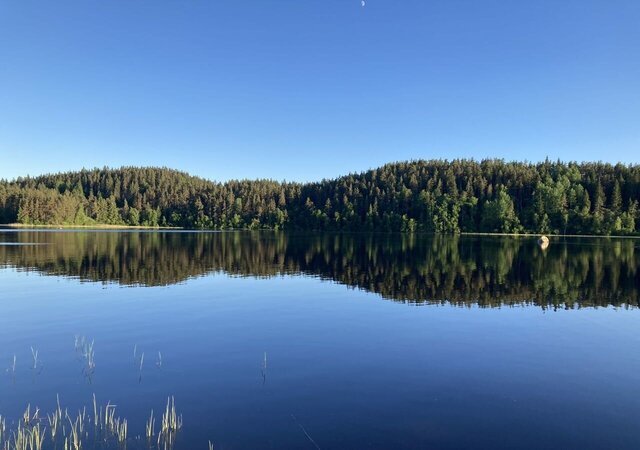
(105, 430)
(64, 430)
(434, 196)
(462, 270)
(61, 429)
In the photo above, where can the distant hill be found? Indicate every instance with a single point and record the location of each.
(432, 196)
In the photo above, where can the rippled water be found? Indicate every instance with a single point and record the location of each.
(273, 340)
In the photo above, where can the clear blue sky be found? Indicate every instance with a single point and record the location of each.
(306, 89)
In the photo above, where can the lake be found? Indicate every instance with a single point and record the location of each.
(331, 341)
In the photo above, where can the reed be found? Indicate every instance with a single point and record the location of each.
(54, 420)
(54, 423)
(36, 437)
(75, 437)
(121, 430)
(26, 416)
(78, 342)
(34, 354)
(263, 369)
(76, 429)
(109, 416)
(95, 412)
(68, 432)
(107, 421)
(151, 423)
(86, 352)
(82, 416)
(171, 422)
(90, 357)
(12, 368)
(26, 438)
(20, 438)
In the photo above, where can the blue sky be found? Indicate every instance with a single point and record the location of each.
(306, 89)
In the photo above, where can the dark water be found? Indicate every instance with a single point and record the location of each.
(371, 341)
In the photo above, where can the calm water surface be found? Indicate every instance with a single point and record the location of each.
(271, 340)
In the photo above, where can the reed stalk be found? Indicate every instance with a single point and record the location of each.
(151, 423)
(12, 368)
(34, 354)
(3, 428)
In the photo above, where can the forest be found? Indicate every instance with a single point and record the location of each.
(437, 196)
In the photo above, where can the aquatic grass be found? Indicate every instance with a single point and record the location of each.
(69, 432)
(305, 432)
(171, 422)
(12, 368)
(90, 357)
(109, 423)
(263, 369)
(109, 416)
(170, 425)
(36, 437)
(55, 419)
(20, 439)
(150, 428)
(3, 428)
(34, 354)
(54, 423)
(26, 438)
(75, 437)
(121, 430)
(26, 415)
(78, 342)
(95, 411)
(82, 416)
(86, 353)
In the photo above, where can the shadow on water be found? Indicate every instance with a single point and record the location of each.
(417, 269)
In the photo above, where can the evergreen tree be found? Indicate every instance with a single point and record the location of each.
(429, 196)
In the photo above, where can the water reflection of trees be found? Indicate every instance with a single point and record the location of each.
(459, 270)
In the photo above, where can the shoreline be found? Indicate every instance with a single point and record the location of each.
(86, 227)
(622, 236)
(158, 228)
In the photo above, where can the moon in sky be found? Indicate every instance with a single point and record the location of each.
(362, 3)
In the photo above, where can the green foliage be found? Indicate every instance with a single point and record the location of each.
(432, 196)
(132, 217)
(499, 214)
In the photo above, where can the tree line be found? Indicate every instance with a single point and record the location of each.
(431, 196)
